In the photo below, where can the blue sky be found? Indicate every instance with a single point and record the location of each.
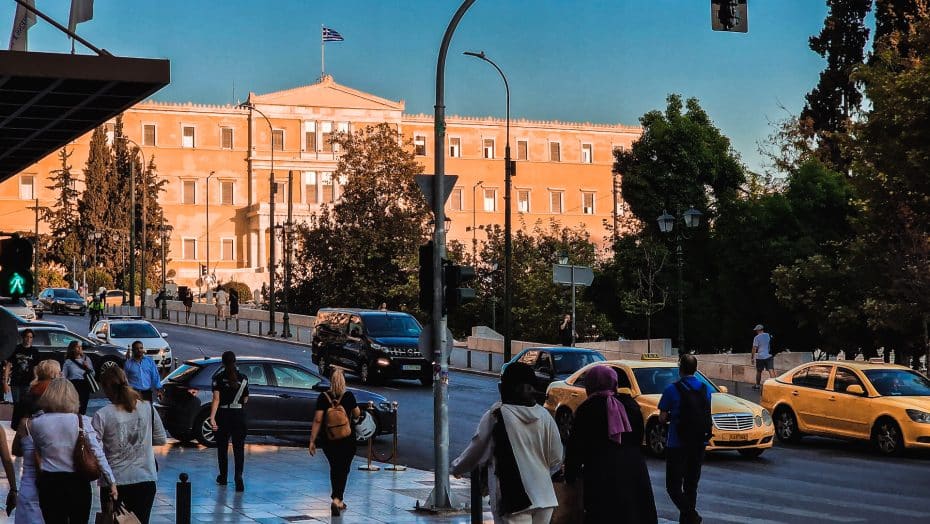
(606, 61)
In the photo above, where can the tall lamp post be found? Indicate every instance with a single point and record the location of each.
(132, 229)
(474, 220)
(508, 238)
(287, 231)
(691, 219)
(564, 260)
(163, 229)
(208, 277)
(272, 190)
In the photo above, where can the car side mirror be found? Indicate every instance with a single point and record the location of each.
(723, 389)
(164, 335)
(101, 335)
(855, 389)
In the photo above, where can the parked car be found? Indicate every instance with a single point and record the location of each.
(886, 404)
(375, 345)
(739, 425)
(62, 300)
(115, 297)
(123, 331)
(21, 306)
(22, 322)
(282, 399)
(52, 342)
(554, 363)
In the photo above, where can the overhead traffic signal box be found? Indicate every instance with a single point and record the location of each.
(16, 279)
(729, 15)
(455, 278)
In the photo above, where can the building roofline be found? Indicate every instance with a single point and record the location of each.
(522, 122)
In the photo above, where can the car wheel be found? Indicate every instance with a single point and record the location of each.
(887, 437)
(656, 438)
(786, 426)
(751, 453)
(564, 420)
(106, 364)
(203, 431)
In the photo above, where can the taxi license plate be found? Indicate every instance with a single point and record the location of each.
(736, 436)
(411, 367)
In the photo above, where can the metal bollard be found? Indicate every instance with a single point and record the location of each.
(183, 500)
(394, 466)
(248, 326)
(468, 359)
(477, 509)
(369, 467)
(490, 367)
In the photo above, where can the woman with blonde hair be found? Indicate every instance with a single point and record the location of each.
(45, 372)
(339, 450)
(129, 428)
(64, 494)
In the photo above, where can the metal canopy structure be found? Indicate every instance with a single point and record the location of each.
(49, 99)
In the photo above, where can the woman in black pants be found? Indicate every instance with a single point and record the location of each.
(76, 367)
(339, 452)
(227, 416)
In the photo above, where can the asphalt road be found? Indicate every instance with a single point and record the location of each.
(818, 480)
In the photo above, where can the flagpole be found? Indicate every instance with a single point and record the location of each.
(322, 54)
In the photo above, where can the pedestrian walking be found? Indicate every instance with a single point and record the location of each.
(20, 366)
(332, 432)
(142, 372)
(76, 369)
(7, 461)
(685, 406)
(45, 372)
(567, 335)
(519, 442)
(129, 428)
(227, 416)
(762, 354)
(65, 494)
(233, 303)
(605, 451)
(222, 301)
(188, 301)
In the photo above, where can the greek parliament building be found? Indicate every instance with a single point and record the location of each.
(563, 171)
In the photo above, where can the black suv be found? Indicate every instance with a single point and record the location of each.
(375, 345)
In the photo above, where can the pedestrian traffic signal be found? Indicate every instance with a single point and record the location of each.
(729, 15)
(455, 278)
(16, 278)
(426, 278)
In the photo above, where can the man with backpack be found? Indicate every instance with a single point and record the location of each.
(685, 405)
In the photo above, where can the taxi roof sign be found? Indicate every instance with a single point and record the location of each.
(650, 356)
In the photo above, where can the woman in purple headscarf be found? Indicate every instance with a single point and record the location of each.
(604, 450)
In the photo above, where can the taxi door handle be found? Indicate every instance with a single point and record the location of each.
(284, 395)
(795, 393)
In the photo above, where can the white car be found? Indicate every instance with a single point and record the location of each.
(22, 307)
(123, 331)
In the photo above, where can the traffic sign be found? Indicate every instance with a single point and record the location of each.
(426, 343)
(425, 182)
(562, 274)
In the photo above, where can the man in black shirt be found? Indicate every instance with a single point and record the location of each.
(20, 366)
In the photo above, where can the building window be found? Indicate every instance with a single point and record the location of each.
(148, 134)
(189, 192)
(27, 187)
(189, 248)
(227, 187)
(523, 201)
(110, 131)
(326, 187)
(187, 137)
(455, 202)
(587, 153)
(587, 203)
(488, 147)
(619, 149)
(310, 193)
(555, 202)
(341, 128)
(523, 150)
(455, 147)
(490, 200)
(277, 139)
(280, 195)
(326, 138)
(226, 138)
(228, 248)
(555, 152)
(310, 136)
(419, 145)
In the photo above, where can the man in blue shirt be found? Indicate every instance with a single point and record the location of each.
(684, 458)
(142, 372)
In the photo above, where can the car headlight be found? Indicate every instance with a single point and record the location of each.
(919, 416)
(59, 301)
(378, 347)
(758, 420)
(766, 417)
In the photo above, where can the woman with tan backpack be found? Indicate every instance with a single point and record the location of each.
(332, 432)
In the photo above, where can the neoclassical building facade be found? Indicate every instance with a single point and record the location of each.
(220, 157)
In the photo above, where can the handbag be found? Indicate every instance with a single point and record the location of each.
(85, 462)
(365, 426)
(113, 512)
(91, 381)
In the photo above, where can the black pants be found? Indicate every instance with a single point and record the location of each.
(138, 498)
(64, 498)
(340, 455)
(230, 424)
(83, 394)
(682, 473)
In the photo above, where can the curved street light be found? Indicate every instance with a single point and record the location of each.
(691, 218)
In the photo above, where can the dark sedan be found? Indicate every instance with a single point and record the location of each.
(62, 300)
(282, 399)
(554, 363)
(52, 342)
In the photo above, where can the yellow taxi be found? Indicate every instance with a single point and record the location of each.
(884, 403)
(738, 424)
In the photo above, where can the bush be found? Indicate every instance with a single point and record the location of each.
(48, 277)
(245, 294)
(97, 278)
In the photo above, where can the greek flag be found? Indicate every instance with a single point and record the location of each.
(330, 35)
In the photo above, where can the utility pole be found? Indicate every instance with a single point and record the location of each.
(35, 255)
(132, 232)
(209, 272)
(288, 232)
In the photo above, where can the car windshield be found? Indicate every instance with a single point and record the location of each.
(133, 330)
(391, 326)
(570, 362)
(898, 383)
(184, 373)
(653, 381)
(66, 293)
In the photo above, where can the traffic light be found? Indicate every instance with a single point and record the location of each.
(16, 278)
(455, 277)
(426, 278)
(729, 15)
(203, 270)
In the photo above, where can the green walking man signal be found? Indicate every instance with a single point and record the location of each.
(15, 267)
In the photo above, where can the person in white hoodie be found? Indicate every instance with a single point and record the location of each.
(519, 442)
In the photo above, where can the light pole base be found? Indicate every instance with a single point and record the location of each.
(272, 333)
(430, 507)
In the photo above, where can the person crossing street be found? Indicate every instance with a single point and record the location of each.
(96, 310)
(142, 372)
(227, 417)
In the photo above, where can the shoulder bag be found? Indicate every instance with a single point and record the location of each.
(85, 462)
(92, 383)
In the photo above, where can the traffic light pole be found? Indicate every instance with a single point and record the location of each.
(35, 255)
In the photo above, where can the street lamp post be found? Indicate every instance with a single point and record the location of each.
(474, 219)
(163, 229)
(132, 228)
(272, 190)
(508, 237)
(691, 218)
(564, 260)
(209, 272)
(288, 232)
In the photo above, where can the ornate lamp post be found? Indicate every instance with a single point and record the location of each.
(132, 229)
(691, 219)
(163, 229)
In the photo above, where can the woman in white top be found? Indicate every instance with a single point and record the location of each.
(77, 364)
(128, 428)
(64, 495)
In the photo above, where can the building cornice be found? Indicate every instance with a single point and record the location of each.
(522, 122)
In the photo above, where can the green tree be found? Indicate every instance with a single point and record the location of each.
(94, 204)
(62, 217)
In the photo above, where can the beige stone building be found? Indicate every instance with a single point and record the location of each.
(221, 157)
